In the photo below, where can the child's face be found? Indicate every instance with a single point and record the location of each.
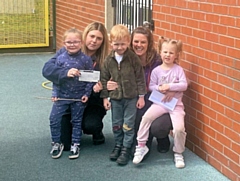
(120, 46)
(73, 43)
(168, 53)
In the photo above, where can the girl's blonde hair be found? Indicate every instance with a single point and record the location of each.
(119, 31)
(178, 44)
(102, 51)
(72, 30)
(151, 51)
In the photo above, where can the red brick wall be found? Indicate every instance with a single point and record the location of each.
(77, 13)
(210, 31)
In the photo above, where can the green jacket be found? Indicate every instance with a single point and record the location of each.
(128, 74)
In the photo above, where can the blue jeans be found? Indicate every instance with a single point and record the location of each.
(123, 121)
(59, 109)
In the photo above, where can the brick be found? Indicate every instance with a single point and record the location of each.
(207, 45)
(210, 74)
(212, 18)
(219, 29)
(234, 11)
(218, 9)
(235, 167)
(200, 152)
(206, 7)
(217, 106)
(206, 26)
(231, 155)
(223, 139)
(225, 40)
(209, 131)
(229, 173)
(221, 157)
(236, 148)
(204, 118)
(234, 136)
(203, 99)
(218, 146)
(216, 67)
(214, 162)
(226, 20)
(234, 32)
(224, 100)
(233, 73)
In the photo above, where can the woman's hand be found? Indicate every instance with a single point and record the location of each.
(73, 73)
(111, 85)
(84, 99)
(168, 96)
(140, 102)
(97, 87)
(106, 104)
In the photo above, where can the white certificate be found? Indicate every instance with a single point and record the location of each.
(157, 97)
(89, 75)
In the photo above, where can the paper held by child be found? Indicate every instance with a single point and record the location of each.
(157, 97)
(89, 76)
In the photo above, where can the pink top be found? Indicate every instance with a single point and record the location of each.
(175, 77)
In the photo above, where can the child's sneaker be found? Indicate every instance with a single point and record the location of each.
(74, 152)
(179, 161)
(57, 149)
(139, 154)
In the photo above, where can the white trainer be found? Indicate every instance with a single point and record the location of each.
(139, 154)
(179, 161)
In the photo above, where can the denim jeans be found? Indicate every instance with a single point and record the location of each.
(123, 121)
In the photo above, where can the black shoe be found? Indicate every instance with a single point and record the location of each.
(163, 144)
(115, 153)
(125, 156)
(98, 139)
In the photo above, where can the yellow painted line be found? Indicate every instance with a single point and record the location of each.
(44, 85)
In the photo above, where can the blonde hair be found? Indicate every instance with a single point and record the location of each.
(177, 43)
(72, 30)
(102, 51)
(119, 31)
(151, 51)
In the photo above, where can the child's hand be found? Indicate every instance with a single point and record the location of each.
(111, 85)
(163, 88)
(140, 102)
(97, 87)
(54, 99)
(168, 96)
(106, 104)
(84, 99)
(73, 73)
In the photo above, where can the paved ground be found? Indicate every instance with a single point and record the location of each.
(25, 138)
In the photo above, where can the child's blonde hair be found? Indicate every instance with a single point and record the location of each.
(72, 30)
(119, 31)
(178, 44)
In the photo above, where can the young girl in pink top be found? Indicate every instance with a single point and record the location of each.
(168, 76)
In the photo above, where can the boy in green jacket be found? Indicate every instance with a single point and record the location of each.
(124, 67)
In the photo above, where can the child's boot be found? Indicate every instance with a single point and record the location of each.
(115, 153)
(125, 156)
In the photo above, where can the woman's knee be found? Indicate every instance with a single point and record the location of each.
(161, 126)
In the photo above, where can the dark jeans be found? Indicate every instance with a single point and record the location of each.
(92, 123)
